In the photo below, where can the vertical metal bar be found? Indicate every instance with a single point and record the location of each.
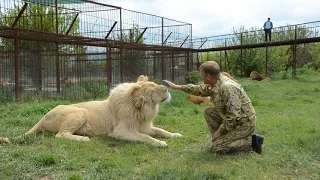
(188, 61)
(198, 62)
(57, 49)
(109, 68)
(220, 61)
(191, 40)
(191, 44)
(154, 64)
(241, 58)
(294, 56)
(40, 65)
(172, 66)
(225, 55)
(57, 17)
(121, 52)
(16, 67)
(162, 53)
(40, 49)
(244, 60)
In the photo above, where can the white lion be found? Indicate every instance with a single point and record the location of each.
(127, 114)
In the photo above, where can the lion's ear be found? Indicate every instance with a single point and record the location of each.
(138, 101)
(143, 78)
(133, 88)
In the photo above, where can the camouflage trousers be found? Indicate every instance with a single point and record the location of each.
(236, 140)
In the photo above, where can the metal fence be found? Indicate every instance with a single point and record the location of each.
(79, 49)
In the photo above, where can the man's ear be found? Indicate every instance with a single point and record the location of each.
(139, 101)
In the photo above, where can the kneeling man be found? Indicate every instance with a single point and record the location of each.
(232, 120)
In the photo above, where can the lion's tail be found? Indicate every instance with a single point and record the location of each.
(4, 140)
(36, 128)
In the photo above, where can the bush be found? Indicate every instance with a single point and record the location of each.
(6, 95)
(193, 77)
(85, 91)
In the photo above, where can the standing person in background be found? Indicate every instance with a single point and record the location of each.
(267, 29)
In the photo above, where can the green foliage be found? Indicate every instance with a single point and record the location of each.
(6, 94)
(193, 77)
(315, 52)
(85, 91)
(45, 160)
(75, 177)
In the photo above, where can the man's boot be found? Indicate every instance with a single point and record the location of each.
(257, 142)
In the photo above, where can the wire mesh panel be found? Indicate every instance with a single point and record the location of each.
(7, 73)
(79, 49)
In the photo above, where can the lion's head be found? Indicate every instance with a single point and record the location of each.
(140, 93)
(150, 92)
(256, 76)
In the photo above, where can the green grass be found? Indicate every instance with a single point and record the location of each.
(288, 114)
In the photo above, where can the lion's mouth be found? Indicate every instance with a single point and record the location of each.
(168, 98)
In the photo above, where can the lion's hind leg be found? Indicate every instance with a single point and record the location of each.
(72, 123)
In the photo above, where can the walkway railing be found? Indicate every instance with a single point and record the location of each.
(284, 35)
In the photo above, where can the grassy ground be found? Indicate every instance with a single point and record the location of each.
(287, 115)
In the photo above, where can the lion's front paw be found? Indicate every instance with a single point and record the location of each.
(160, 144)
(85, 139)
(176, 135)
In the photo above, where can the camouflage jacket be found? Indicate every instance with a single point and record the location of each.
(232, 102)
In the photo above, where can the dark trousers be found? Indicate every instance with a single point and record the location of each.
(267, 33)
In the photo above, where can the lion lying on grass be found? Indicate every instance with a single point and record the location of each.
(127, 114)
(198, 99)
(256, 76)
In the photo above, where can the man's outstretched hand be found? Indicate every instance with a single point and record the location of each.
(171, 84)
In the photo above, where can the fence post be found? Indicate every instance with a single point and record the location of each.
(220, 59)
(109, 68)
(57, 50)
(225, 55)
(188, 61)
(121, 52)
(163, 66)
(241, 59)
(294, 54)
(16, 67)
(154, 64)
(172, 66)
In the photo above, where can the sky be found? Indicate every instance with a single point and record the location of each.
(218, 17)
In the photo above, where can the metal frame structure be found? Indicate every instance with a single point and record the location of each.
(60, 38)
(66, 47)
